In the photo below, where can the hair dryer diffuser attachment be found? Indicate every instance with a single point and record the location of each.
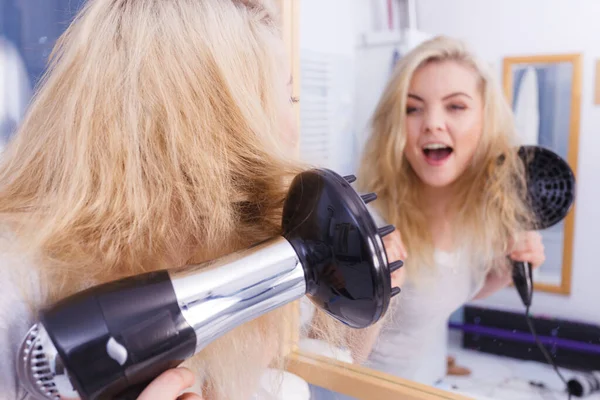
(331, 229)
(550, 185)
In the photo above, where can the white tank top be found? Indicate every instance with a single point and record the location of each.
(413, 341)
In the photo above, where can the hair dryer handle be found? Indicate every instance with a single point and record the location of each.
(522, 275)
(130, 331)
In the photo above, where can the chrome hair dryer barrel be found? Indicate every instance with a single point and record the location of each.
(112, 340)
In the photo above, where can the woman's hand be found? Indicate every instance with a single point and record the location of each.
(169, 384)
(529, 248)
(395, 249)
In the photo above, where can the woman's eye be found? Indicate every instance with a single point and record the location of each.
(456, 107)
(294, 99)
(411, 110)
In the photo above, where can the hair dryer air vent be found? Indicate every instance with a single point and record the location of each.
(41, 368)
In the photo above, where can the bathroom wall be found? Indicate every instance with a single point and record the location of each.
(358, 39)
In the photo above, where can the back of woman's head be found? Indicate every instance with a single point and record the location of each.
(154, 139)
(488, 203)
(157, 125)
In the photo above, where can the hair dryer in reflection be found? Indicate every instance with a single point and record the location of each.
(551, 192)
(111, 340)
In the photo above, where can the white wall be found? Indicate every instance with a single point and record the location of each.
(328, 26)
(336, 27)
(327, 42)
(500, 28)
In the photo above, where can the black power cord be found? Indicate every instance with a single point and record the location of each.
(545, 352)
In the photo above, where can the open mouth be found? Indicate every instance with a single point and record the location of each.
(437, 152)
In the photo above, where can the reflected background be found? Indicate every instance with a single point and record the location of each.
(28, 32)
(347, 53)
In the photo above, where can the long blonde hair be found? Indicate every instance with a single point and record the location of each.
(154, 141)
(490, 205)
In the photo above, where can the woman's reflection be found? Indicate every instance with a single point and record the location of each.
(438, 133)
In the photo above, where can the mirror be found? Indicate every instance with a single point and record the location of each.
(484, 346)
(335, 380)
(544, 92)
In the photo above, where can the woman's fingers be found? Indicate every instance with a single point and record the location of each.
(400, 244)
(168, 385)
(527, 241)
(394, 247)
(395, 251)
(398, 278)
(529, 248)
(534, 255)
(534, 258)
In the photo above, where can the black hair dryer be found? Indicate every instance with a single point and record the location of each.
(111, 340)
(551, 193)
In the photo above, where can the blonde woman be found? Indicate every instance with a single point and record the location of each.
(160, 136)
(441, 159)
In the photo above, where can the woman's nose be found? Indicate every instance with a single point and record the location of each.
(434, 121)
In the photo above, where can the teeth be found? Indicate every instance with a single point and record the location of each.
(435, 146)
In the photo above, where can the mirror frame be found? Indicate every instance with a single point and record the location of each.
(360, 382)
(340, 377)
(564, 288)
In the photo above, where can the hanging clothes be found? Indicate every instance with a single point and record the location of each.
(526, 108)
